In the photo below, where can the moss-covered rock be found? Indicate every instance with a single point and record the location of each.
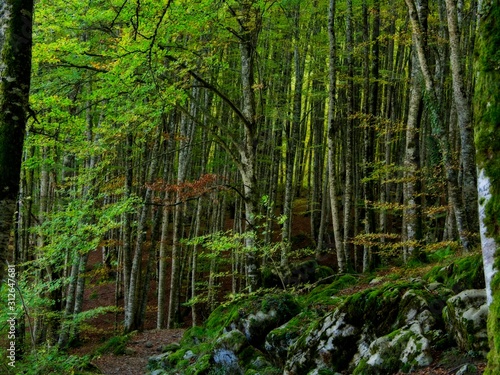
(462, 274)
(296, 273)
(465, 316)
(234, 341)
(389, 327)
(279, 340)
(401, 349)
(327, 294)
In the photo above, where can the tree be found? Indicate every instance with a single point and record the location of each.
(15, 64)
(487, 140)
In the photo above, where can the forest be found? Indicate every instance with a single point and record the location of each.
(181, 154)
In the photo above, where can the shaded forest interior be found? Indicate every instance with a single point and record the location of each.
(210, 148)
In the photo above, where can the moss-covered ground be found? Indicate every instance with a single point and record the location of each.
(368, 297)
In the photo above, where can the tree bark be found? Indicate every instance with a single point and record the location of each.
(432, 101)
(487, 140)
(332, 133)
(15, 70)
(467, 151)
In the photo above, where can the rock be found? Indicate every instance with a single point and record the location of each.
(129, 351)
(228, 361)
(434, 286)
(189, 355)
(331, 343)
(157, 361)
(233, 341)
(465, 317)
(171, 347)
(274, 311)
(405, 348)
(467, 369)
(279, 340)
(149, 344)
(376, 280)
(414, 307)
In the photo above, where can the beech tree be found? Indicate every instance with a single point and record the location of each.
(15, 73)
(329, 125)
(487, 140)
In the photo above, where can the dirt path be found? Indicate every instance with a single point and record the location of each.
(139, 349)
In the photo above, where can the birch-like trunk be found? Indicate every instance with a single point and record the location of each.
(248, 158)
(412, 162)
(487, 141)
(348, 142)
(438, 130)
(133, 299)
(332, 133)
(462, 103)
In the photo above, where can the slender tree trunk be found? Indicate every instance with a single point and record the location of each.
(292, 131)
(248, 157)
(133, 300)
(412, 163)
(349, 133)
(467, 151)
(332, 134)
(432, 102)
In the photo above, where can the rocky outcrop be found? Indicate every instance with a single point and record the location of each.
(465, 316)
(387, 328)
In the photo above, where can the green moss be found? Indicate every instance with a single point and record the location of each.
(326, 371)
(323, 294)
(171, 347)
(362, 368)
(463, 273)
(323, 272)
(193, 336)
(115, 345)
(493, 334)
(487, 108)
(200, 367)
(176, 357)
(377, 305)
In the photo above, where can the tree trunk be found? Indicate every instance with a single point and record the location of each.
(487, 139)
(349, 132)
(432, 102)
(15, 61)
(133, 300)
(332, 134)
(248, 157)
(467, 152)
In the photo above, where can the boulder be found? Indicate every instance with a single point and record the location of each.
(257, 321)
(329, 344)
(279, 340)
(227, 361)
(234, 341)
(402, 349)
(465, 317)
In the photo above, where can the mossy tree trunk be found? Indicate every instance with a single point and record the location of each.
(15, 72)
(487, 139)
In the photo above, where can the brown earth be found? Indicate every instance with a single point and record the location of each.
(141, 346)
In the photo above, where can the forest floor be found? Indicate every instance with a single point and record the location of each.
(150, 342)
(140, 347)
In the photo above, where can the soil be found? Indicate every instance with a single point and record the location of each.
(141, 346)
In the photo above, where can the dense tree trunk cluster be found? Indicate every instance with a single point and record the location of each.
(184, 146)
